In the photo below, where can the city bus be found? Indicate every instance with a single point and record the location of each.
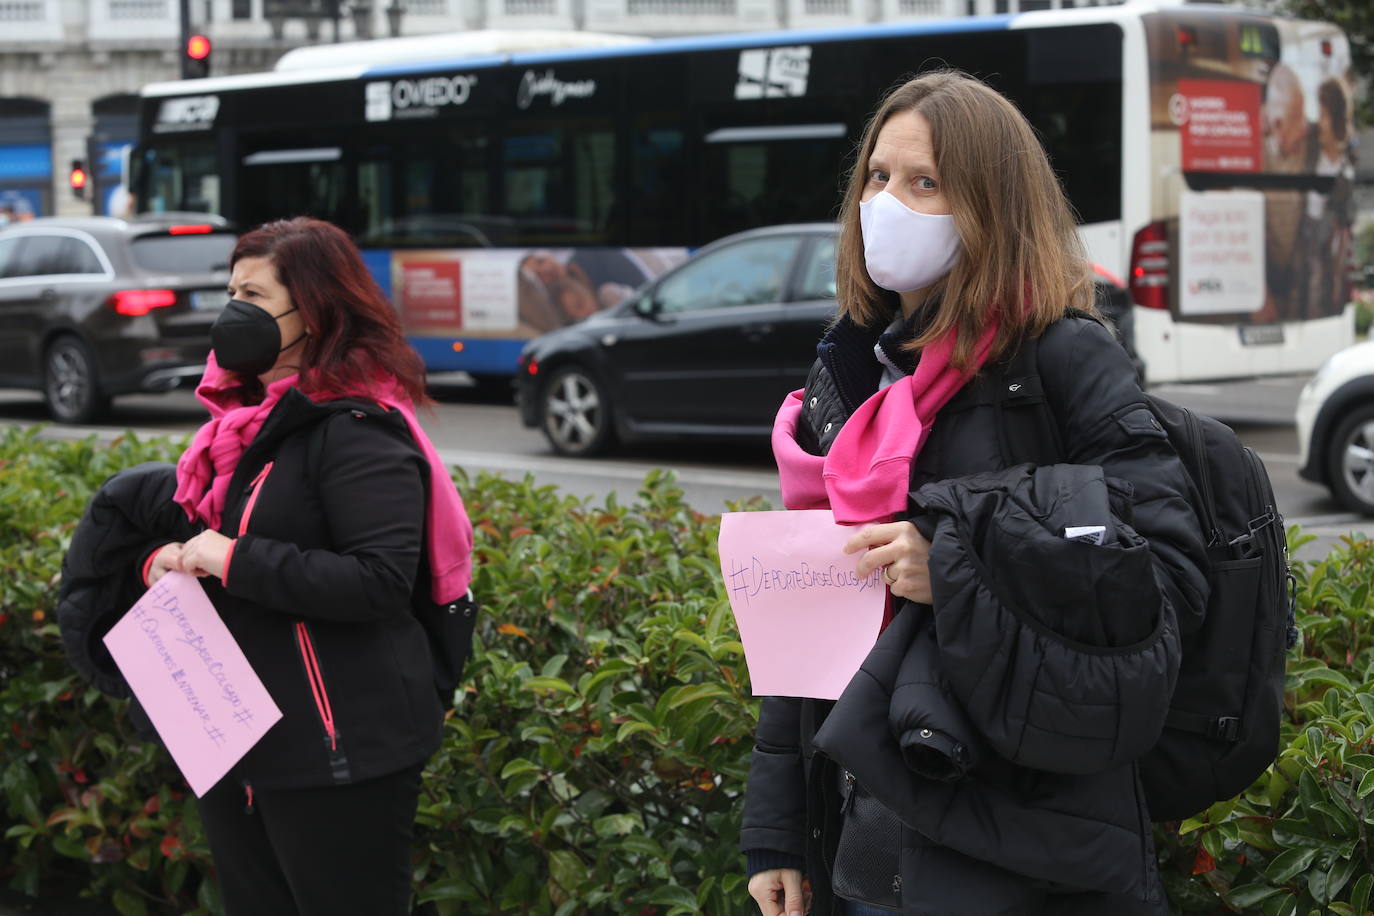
(501, 190)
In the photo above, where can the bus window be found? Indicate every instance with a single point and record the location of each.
(428, 189)
(560, 182)
(303, 181)
(764, 176)
(658, 187)
(179, 176)
(1072, 96)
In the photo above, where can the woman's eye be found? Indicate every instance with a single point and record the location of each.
(925, 183)
(878, 176)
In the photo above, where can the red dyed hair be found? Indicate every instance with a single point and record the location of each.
(355, 334)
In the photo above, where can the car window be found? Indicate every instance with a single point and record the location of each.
(818, 274)
(184, 254)
(8, 249)
(39, 255)
(751, 272)
(76, 257)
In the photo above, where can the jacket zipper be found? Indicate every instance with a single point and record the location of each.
(1197, 443)
(254, 488)
(338, 763)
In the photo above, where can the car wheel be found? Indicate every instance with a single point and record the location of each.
(575, 413)
(1350, 461)
(70, 383)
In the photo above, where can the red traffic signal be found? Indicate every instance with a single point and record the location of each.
(78, 178)
(195, 63)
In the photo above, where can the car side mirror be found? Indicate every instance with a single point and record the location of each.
(646, 306)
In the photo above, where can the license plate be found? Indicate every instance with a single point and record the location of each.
(1261, 335)
(206, 300)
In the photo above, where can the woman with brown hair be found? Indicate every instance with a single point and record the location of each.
(983, 760)
(324, 508)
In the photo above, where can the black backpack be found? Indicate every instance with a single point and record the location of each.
(448, 627)
(1222, 730)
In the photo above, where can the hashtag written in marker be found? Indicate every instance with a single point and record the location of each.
(243, 716)
(214, 734)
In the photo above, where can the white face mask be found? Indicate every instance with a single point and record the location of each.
(905, 250)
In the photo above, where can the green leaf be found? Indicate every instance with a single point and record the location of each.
(617, 825)
(549, 683)
(566, 870)
(1359, 896)
(519, 765)
(1290, 863)
(128, 903)
(631, 728)
(1341, 873)
(1366, 785)
(1250, 894)
(672, 895)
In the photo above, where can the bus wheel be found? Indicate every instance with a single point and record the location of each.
(1350, 461)
(575, 413)
(70, 384)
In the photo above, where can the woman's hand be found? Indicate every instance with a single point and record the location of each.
(204, 554)
(903, 551)
(780, 892)
(167, 559)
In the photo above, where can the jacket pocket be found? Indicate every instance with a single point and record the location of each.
(254, 490)
(314, 675)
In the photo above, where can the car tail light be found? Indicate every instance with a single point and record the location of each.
(135, 302)
(197, 229)
(532, 367)
(1150, 267)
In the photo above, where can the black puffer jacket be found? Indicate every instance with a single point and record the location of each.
(1042, 814)
(100, 578)
(327, 505)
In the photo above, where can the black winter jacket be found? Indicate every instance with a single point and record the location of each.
(1050, 662)
(327, 507)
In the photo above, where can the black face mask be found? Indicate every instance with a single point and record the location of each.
(247, 339)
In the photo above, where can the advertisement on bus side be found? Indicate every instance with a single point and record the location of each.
(1254, 118)
(517, 292)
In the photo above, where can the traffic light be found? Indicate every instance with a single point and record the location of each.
(78, 178)
(195, 61)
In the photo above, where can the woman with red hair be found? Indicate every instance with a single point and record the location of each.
(325, 510)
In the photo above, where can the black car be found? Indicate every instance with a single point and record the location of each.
(709, 348)
(93, 307)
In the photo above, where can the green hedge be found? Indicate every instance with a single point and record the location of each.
(596, 761)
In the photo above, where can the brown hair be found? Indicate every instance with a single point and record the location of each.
(1331, 96)
(1021, 262)
(355, 334)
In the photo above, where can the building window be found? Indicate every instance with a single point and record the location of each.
(241, 9)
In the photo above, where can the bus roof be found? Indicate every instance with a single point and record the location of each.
(480, 49)
(445, 46)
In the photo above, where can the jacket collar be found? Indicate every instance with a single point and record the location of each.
(846, 350)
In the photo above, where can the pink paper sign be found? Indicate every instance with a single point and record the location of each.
(191, 677)
(806, 618)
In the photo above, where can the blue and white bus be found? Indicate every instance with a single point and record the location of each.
(504, 185)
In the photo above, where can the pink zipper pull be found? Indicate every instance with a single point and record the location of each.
(254, 487)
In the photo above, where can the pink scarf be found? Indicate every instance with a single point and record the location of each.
(867, 473)
(204, 469)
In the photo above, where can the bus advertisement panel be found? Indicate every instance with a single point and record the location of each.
(1252, 208)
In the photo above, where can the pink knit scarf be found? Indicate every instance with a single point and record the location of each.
(866, 475)
(205, 468)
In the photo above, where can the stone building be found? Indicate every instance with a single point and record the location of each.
(71, 70)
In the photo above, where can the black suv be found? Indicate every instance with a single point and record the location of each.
(92, 307)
